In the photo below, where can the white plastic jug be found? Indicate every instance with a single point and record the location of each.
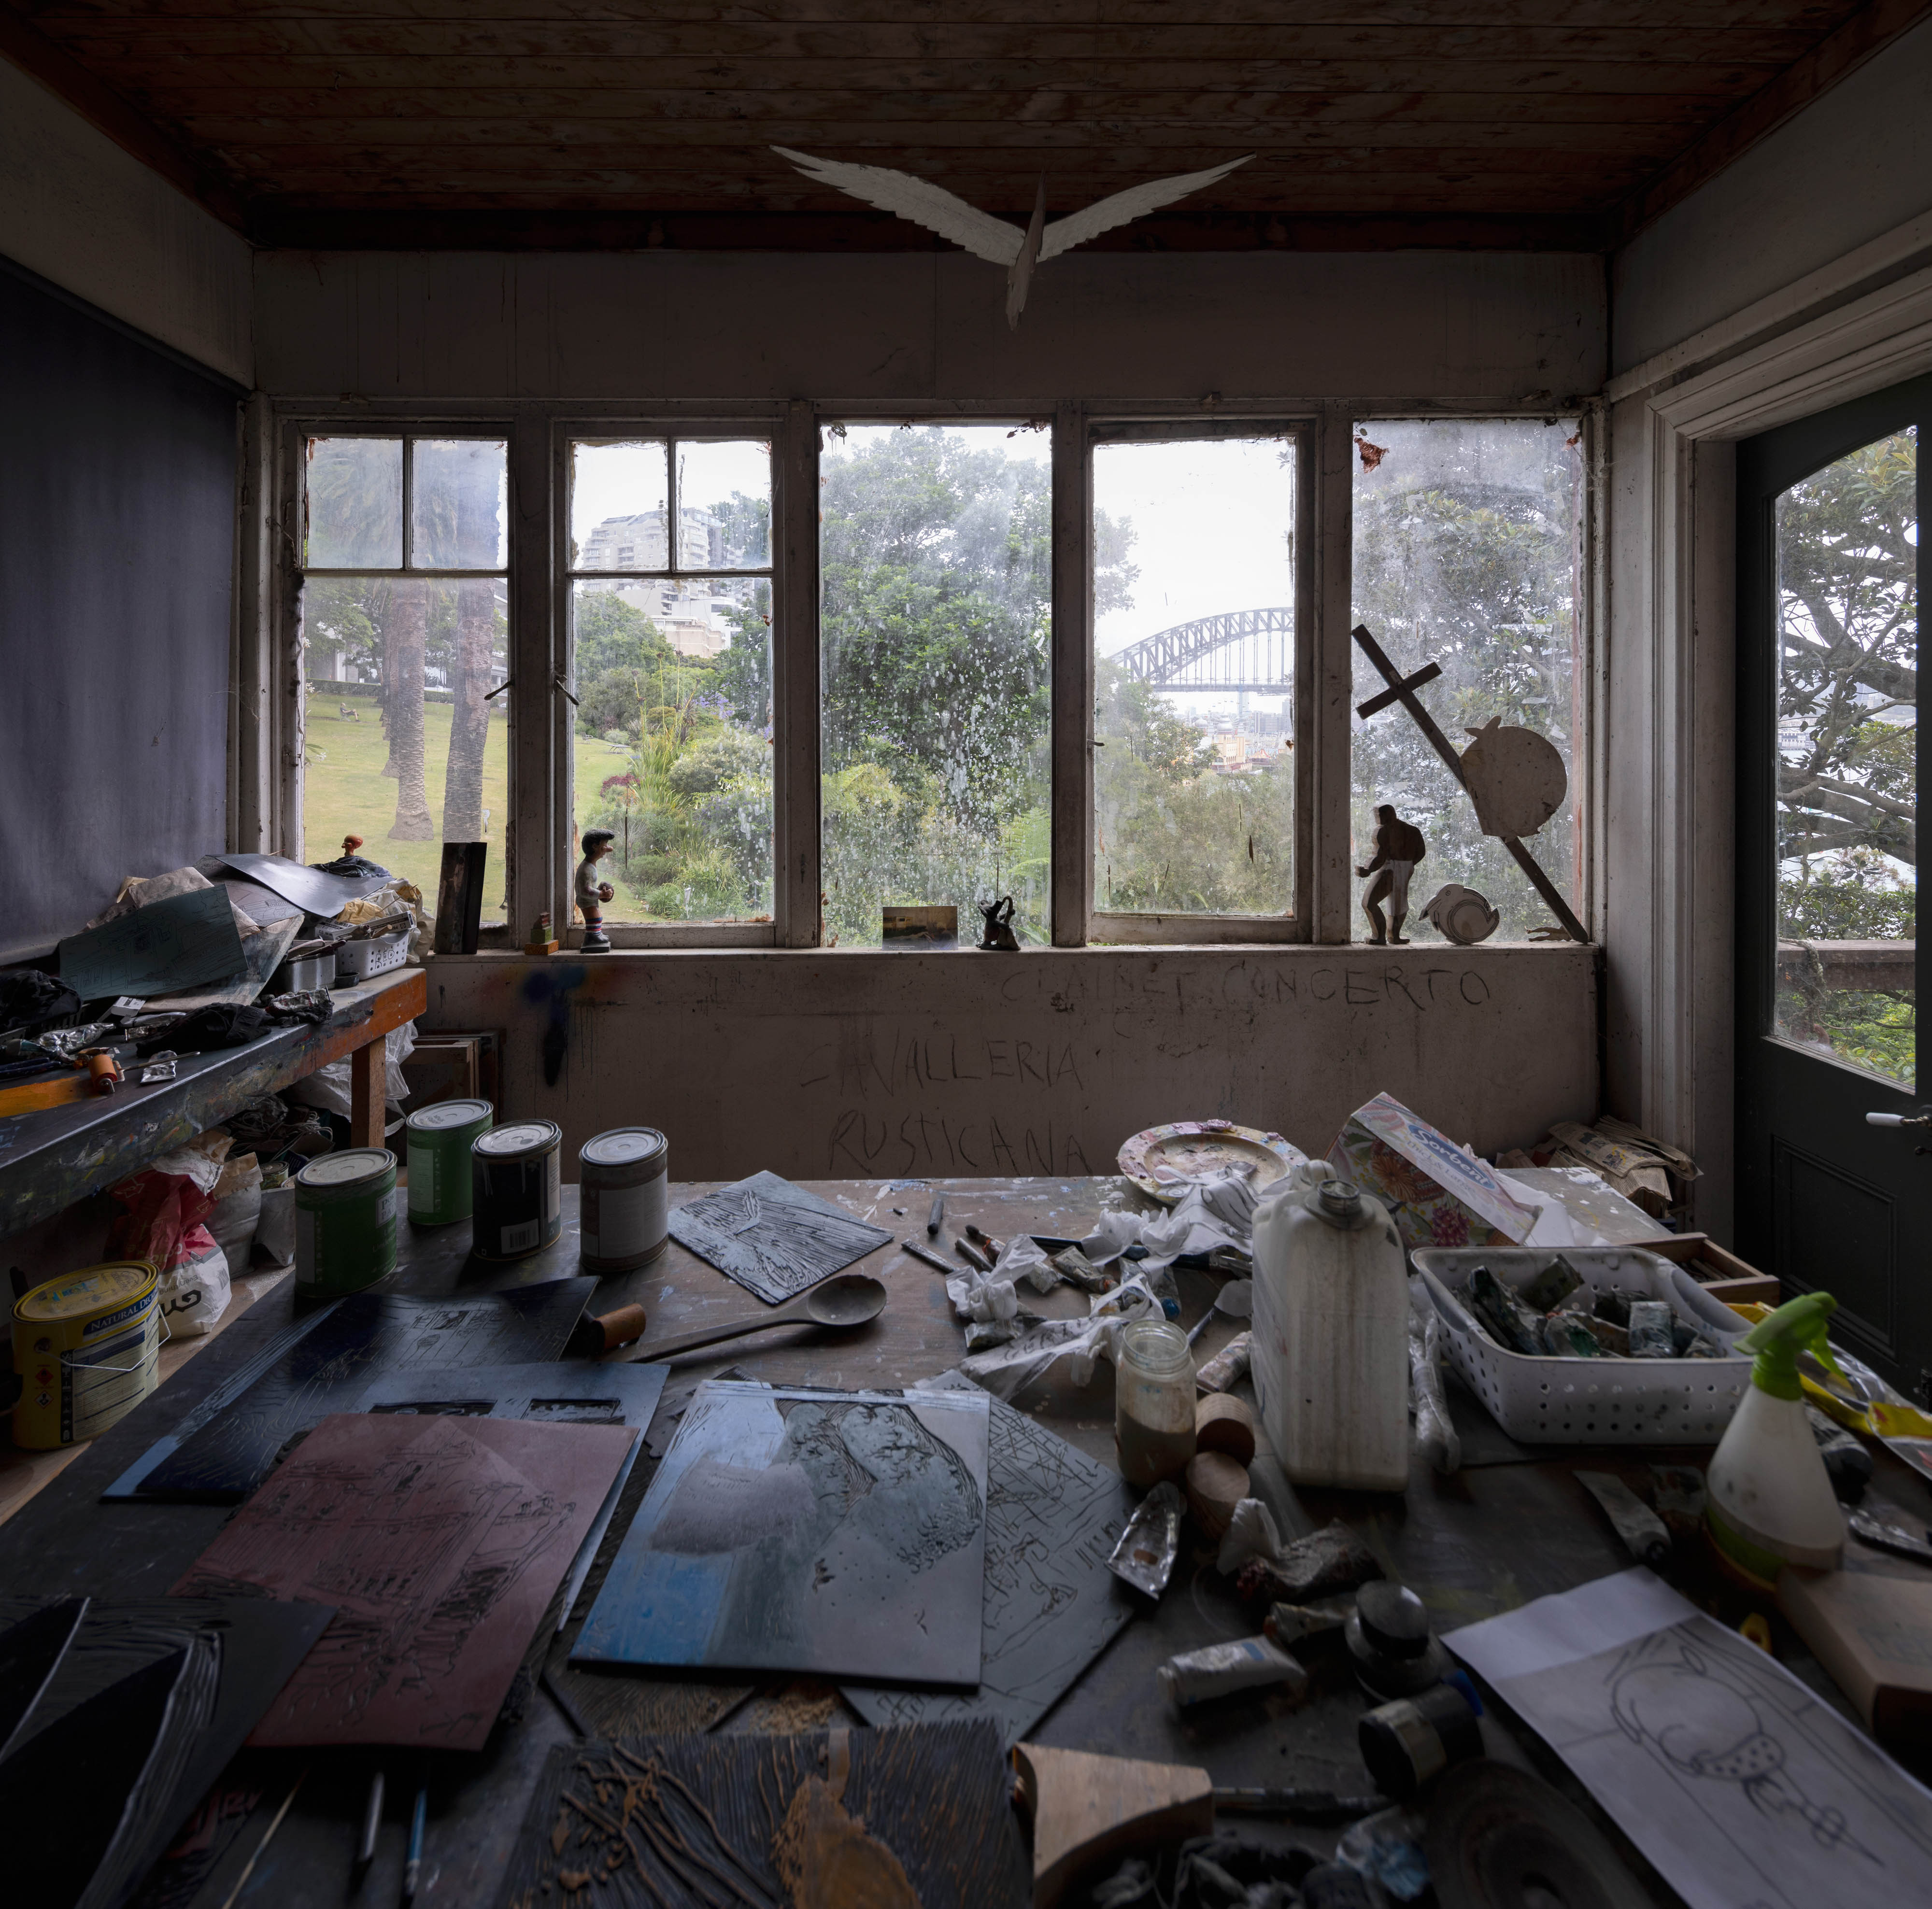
(1330, 1351)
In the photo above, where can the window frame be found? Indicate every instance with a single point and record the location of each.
(290, 526)
(539, 834)
(612, 424)
(1300, 429)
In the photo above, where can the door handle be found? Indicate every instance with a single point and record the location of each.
(1898, 1119)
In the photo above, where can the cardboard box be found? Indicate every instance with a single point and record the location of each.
(1438, 1194)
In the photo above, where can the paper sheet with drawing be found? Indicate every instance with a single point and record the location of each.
(1744, 1788)
(440, 1540)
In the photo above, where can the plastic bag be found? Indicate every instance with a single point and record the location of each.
(161, 1225)
(237, 1212)
(328, 1086)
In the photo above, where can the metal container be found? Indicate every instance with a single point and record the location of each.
(516, 1192)
(621, 1180)
(345, 1222)
(439, 1138)
(85, 1346)
(303, 974)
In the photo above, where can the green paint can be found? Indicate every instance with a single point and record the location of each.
(345, 1222)
(439, 1140)
(517, 1198)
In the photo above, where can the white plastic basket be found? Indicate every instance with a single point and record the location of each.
(358, 960)
(1548, 1400)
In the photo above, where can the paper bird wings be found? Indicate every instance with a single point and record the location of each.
(996, 240)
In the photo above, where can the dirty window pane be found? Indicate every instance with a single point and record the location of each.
(725, 486)
(674, 744)
(1194, 645)
(355, 496)
(935, 555)
(459, 503)
(619, 493)
(1847, 750)
(1467, 552)
(400, 745)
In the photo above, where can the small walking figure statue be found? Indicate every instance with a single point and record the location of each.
(591, 893)
(1399, 847)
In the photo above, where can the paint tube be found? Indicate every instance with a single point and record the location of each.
(1290, 1624)
(1251, 1533)
(1435, 1436)
(1144, 1556)
(1650, 1335)
(1644, 1535)
(1222, 1669)
(1228, 1366)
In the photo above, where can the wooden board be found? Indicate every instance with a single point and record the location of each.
(1088, 1809)
(1394, 111)
(933, 1798)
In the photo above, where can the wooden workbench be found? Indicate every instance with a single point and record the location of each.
(51, 1157)
(1473, 1545)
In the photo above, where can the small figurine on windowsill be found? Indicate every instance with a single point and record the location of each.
(542, 941)
(591, 893)
(1399, 847)
(999, 937)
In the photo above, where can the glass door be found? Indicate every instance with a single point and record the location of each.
(1833, 1176)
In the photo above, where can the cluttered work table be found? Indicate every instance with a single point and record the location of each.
(1078, 1669)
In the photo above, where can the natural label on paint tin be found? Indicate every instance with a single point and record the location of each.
(85, 1347)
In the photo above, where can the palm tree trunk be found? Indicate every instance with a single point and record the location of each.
(470, 717)
(388, 597)
(409, 620)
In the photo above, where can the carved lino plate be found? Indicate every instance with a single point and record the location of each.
(1157, 1160)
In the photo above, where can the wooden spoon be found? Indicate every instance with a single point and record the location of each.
(847, 1299)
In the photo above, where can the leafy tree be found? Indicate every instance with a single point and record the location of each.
(619, 657)
(1467, 545)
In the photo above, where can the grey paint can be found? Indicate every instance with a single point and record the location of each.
(517, 1189)
(622, 1178)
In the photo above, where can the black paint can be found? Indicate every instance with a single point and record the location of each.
(516, 1189)
(1410, 1742)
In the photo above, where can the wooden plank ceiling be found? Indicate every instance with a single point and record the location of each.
(1490, 122)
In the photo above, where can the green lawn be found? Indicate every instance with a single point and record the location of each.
(345, 793)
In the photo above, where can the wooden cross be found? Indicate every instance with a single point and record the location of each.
(1401, 689)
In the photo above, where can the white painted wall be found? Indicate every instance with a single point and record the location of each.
(76, 209)
(1854, 164)
(694, 325)
(854, 1064)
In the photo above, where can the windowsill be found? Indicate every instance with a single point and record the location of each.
(1310, 953)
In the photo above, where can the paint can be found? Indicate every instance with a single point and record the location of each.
(621, 1180)
(439, 1139)
(84, 1347)
(345, 1222)
(516, 1195)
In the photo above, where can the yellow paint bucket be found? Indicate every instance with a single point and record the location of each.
(84, 1347)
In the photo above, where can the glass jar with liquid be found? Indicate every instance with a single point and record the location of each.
(1154, 1403)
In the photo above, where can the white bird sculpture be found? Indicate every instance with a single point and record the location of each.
(998, 241)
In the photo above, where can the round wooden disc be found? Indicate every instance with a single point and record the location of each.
(1500, 1838)
(1222, 1423)
(1216, 1484)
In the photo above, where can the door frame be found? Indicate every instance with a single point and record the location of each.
(1770, 1074)
(1667, 845)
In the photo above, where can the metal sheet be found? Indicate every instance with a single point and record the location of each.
(261, 956)
(773, 1238)
(440, 1541)
(842, 1533)
(309, 889)
(223, 1450)
(167, 1689)
(1052, 1606)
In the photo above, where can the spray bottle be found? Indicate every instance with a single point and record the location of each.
(1769, 1502)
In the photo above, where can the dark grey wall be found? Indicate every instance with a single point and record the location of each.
(117, 533)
